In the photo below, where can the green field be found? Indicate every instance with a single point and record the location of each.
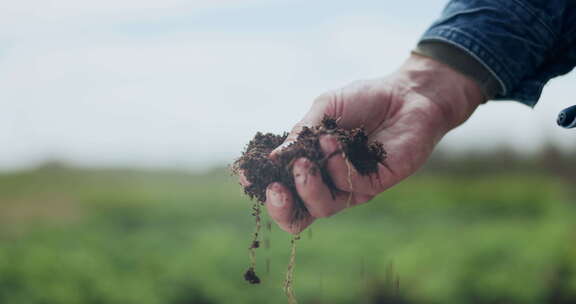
(149, 237)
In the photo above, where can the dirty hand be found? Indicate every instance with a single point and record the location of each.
(408, 112)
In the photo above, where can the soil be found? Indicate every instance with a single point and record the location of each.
(260, 171)
(251, 276)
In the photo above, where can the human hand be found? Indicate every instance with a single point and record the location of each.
(408, 112)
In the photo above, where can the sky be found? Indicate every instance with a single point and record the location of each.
(186, 84)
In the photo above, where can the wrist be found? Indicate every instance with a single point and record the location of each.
(461, 61)
(455, 95)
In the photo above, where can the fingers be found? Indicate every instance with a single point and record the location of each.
(343, 173)
(319, 200)
(280, 205)
(315, 194)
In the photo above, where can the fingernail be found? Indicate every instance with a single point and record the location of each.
(300, 175)
(300, 178)
(274, 196)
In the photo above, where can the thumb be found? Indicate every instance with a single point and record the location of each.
(293, 135)
(314, 117)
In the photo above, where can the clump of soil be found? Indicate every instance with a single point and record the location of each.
(251, 276)
(260, 170)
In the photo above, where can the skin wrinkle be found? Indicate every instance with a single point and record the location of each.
(370, 128)
(389, 111)
(430, 89)
(381, 95)
(342, 104)
(376, 181)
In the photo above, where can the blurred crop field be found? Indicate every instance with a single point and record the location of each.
(487, 229)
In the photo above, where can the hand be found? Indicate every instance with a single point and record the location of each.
(408, 112)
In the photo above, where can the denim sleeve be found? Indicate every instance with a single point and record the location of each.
(523, 43)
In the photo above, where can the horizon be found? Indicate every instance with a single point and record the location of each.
(187, 83)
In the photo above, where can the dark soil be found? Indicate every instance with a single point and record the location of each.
(260, 171)
(251, 276)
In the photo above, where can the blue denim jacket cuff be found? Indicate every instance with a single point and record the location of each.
(461, 61)
(527, 95)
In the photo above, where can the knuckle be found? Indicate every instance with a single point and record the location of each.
(330, 143)
(331, 102)
(325, 98)
(296, 129)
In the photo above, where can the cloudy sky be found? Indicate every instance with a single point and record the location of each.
(181, 83)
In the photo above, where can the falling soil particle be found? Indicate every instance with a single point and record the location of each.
(289, 280)
(251, 276)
